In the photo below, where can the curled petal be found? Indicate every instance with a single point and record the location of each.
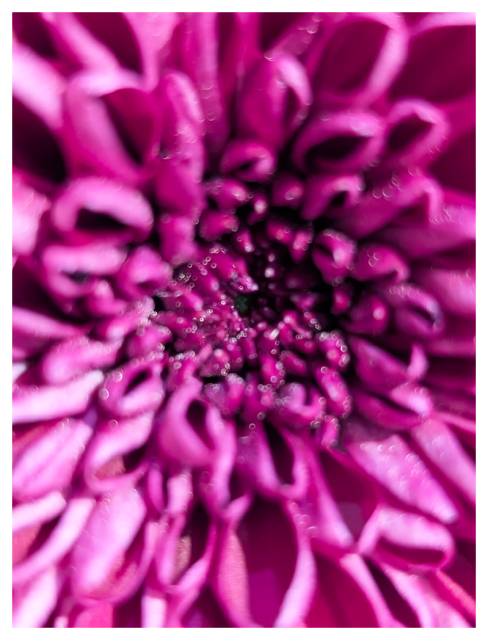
(380, 369)
(333, 254)
(176, 187)
(38, 511)
(399, 408)
(134, 388)
(404, 198)
(342, 77)
(147, 338)
(441, 447)
(110, 557)
(28, 208)
(298, 406)
(416, 133)
(330, 196)
(49, 462)
(128, 318)
(113, 457)
(340, 142)
(75, 356)
(187, 426)
(334, 348)
(287, 191)
(34, 601)
(37, 118)
(370, 315)
(182, 133)
(335, 390)
(193, 552)
(33, 331)
(432, 224)
(248, 160)
(273, 459)
(142, 273)
(196, 52)
(269, 584)
(227, 193)
(378, 262)
(452, 37)
(455, 290)
(414, 600)
(275, 100)
(31, 404)
(94, 207)
(343, 504)
(415, 312)
(62, 538)
(390, 460)
(101, 300)
(99, 131)
(340, 582)
(176, 239)
(227, 395)
(73, 272)
(412, 543)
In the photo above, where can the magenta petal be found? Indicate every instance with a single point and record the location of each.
(346, 596)
(31, 404)
(333, 254)
(33, 602)
(401, 407)
(455, 290)
(411, 199)
(197, 54)
(107, 561)
(37, 118)
(417, 131)
(328, 196)
(339, 142)
(28, 208)
(97, 105)
(379, 369)
(95, 207)
(50, 461)
(248, 160)
(434, 224)
(269, 584)
(275, 101)
(349, 498)
(205, 612)
(137, 387)
(441, 447)
(113, 456)
(412, 543)
(273, 459)
(62, 538)
(143, 273)
(32, 331)
(390, 460)
(379, 262)
(75, 356)
(193, 555)
(344, 78)
(452, 37)
(183, 426)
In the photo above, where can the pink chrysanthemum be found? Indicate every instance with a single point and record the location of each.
(244, 317)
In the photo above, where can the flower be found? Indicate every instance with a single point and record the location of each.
(243, 323)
